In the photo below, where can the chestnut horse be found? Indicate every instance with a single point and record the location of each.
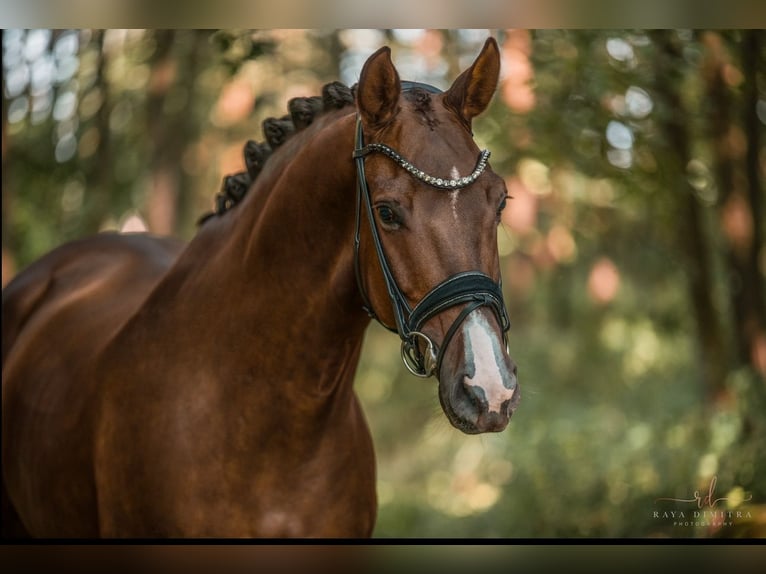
(157, 389)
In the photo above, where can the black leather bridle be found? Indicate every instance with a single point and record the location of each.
(473, 288)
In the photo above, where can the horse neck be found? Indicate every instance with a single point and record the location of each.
(279, 267)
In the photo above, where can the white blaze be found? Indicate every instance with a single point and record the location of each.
(454, 174)
(485, 349)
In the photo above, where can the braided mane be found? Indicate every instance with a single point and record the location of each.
(302, 112)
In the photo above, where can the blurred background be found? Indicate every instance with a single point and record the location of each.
(633, 250)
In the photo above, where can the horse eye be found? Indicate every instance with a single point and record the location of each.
(501, 207)
(387, 215)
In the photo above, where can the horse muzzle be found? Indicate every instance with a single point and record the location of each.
(478, 381)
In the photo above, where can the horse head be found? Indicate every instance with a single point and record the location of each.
(427, 263)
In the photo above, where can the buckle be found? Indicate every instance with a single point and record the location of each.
(421, 365)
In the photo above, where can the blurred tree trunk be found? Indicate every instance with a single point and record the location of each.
(694, 244)
(735, 149)
(171, 126)
(163, 148)
(8, 263)
(753, 47)
(99, 171)
(187, 126)
(451, 53)
(332, 45)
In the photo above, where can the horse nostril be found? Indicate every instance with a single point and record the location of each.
(512, 378)
(475, 394)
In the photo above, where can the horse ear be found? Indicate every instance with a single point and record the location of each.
(377, 94)
(472, 91)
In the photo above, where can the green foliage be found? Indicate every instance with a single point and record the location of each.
(235, 47)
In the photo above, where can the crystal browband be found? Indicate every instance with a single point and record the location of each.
(439, 182)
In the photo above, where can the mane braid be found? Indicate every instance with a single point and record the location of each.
(302, 113)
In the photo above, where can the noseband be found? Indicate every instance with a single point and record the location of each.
(473, 288)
